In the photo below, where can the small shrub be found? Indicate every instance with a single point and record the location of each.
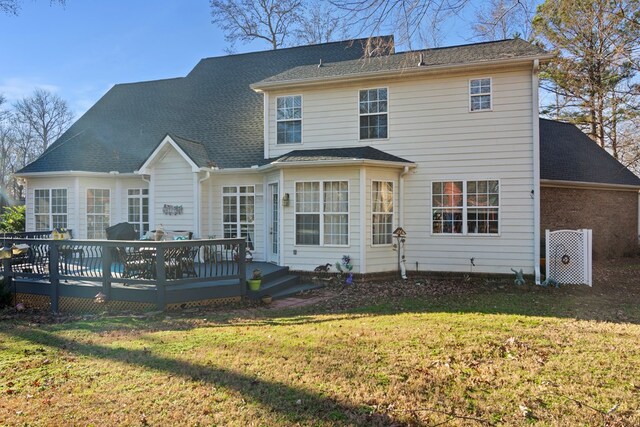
(12, 219)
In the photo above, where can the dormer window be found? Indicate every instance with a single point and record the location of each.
(480, 94)
(373, 113)
(289, 119)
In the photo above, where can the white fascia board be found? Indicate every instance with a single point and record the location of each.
(348, 162)
(144, 169)
(403, 72)
(76, 174)
(588, 185)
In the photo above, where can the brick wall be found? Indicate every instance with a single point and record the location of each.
(611, 214)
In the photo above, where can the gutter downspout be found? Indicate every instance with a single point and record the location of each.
(401, 246)
(401, 196)
(536, 169)
(197, 204)
(152, 200)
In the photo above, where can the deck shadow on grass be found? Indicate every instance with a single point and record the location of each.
(280, 398)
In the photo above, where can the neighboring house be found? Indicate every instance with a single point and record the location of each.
(582, 186)
(313, 153)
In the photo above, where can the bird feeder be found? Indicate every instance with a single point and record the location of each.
(401, 236)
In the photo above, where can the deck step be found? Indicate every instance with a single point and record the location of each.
(272, 285)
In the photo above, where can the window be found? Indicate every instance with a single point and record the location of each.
(480, 94)
(322, 213)
(289, 119)
(98, 207)
(465, 207)
(381, 212)
(50, 209)
(138, 209)
(238, 213)
(373, 113)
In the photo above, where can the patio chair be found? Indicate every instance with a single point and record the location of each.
(188, 261)
(136, 264)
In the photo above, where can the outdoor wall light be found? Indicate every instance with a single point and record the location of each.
(285, 199)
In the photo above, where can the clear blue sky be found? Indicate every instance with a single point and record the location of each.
(83, 48)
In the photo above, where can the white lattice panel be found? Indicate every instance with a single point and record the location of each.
(568, 256)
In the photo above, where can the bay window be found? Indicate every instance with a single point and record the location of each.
(98, 209)
(381, 212)
(322, 213)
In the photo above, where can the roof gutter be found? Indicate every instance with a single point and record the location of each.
(588, 185)
(75, 173)
(409, 71)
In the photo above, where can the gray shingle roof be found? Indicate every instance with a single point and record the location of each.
(351, 153)
(195, 150)
(456, 55)
(567, 154)
(212, 105)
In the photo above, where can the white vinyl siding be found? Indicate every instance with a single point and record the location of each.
(173, 183)
(431, 126)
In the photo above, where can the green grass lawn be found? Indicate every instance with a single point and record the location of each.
(498, 357)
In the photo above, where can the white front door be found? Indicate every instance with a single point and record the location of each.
(273, 212)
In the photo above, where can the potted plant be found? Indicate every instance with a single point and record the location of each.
(256, 280)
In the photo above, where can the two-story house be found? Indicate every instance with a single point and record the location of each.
(316, 152)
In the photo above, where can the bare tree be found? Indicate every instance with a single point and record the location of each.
(321, 24)
(503, 19)
(42, 117)
(248, 20)
(409, 19)
(12, 7)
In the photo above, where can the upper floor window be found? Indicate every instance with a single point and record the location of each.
(373, 113)
(98, 208)
(480, 94)
(465, 207)
(50, 208)
(289, 119)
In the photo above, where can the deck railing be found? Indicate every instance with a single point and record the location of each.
(164, 272)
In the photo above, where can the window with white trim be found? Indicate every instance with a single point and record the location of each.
(465, 207)
(373, 113)
(381, 212)
(138, 209)
(238, 213)
(50, 208)
(98, 208)
(289, 119)
(480, 94)
(322, 213)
